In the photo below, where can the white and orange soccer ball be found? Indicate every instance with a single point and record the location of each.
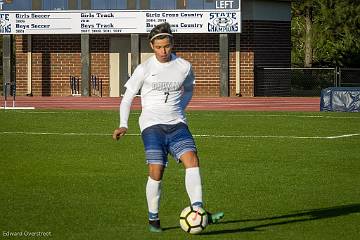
(193, 219)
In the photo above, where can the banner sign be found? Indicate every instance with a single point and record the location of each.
(118, 21)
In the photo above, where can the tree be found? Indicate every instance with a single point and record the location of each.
(302, 30)
(326, 33)
(339, 24)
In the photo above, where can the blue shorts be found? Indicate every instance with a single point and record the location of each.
(160, 140)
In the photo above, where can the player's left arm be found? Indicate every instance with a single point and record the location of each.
(188, 88)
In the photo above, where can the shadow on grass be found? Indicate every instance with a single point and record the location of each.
(303, 216)
(170, 228)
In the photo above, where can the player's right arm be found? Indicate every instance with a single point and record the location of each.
(133, 86)
(119, 132)
(124, 114)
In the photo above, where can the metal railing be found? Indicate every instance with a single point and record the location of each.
(75, 86)
(9, 89)
(96, 86)
(302, 81)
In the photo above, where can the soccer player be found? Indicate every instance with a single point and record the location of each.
(166, 85)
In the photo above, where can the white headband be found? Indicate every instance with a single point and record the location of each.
(161, 34)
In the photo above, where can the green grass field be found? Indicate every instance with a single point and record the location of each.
(276, 175)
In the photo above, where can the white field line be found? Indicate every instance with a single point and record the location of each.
(17, 108)
(274, 136)
(63, 134)
(195, 135)
(283, 115)
(194, 114)
(61, 112)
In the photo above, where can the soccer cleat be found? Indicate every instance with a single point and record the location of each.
(214, 218)
(154, 226)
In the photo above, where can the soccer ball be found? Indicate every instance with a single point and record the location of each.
(193, 219)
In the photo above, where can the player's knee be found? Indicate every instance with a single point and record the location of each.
(155, 177)
(156, 171)
(190, 159)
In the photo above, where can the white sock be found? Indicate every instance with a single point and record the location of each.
(193, 185)
(153, 191)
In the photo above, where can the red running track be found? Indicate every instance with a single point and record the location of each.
(197, 103)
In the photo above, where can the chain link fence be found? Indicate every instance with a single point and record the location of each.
(302, 82)
(349, 77)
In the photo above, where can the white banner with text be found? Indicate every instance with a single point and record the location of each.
(118, 21)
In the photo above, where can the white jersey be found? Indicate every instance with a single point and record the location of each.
(166, 89)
